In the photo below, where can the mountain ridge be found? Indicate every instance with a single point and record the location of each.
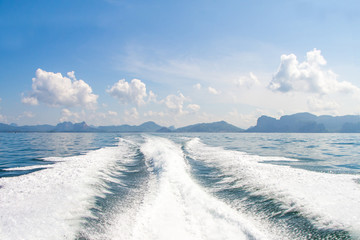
(295, 123)
(307, 123)
(220, 126)
(149, 126)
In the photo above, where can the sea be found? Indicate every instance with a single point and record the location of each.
(182, 186)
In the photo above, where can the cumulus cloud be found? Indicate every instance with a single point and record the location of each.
(193, 107)
(133, 92)
(308, 76)
(57, 90)
(213, 91)
(247, 81)
(175, 103)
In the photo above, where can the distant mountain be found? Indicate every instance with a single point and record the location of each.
(7, 128)
(351, 127)
(63, 127)
(36, 128)
(337, 124)
(164, 130)
(73, 127)
(14, 128)
(145, 127)
(149, 127)
(221, 126)
(299, 122)
(307, 123)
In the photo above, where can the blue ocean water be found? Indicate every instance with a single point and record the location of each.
(179, 186)
(30, 149)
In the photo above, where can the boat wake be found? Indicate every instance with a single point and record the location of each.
(150, 187)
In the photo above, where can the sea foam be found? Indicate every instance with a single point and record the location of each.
(176, 207)
(328, 200)
(52, 203)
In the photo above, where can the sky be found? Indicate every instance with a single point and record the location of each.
(112, 62)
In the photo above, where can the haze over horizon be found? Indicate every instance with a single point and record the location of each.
(113, 62)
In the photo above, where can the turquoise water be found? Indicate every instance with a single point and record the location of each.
(179, 186)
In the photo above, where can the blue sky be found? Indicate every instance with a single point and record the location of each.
(176, 62)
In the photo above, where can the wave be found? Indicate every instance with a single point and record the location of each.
(151, 187)
(328, 201)
(52, 203)
(175, 206)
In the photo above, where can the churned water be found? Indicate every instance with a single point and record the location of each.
(179, 186)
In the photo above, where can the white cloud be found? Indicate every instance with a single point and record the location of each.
(162, 65)
(112, 113)
(193, 107)
(247, 81)
(152, 97)
(175, 103)
(131, 114)
(154, 114)
(243, 120)
(308, 76)
(135, 92)
(3, 118)
(28, 114)
(24, 115)
(57, 90)
(67, 115)
(319, 104)
(71, 75)
(100, 118)
(197, 86)
(30, 100)
(213, 91)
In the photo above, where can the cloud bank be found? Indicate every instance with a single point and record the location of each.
(56, 90)
(308, 76)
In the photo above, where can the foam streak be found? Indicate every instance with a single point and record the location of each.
(51, 203)
(328, 200)
(176, 207)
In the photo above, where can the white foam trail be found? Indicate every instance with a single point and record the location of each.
(50, 204)
(176, 207)
(329, 200)
(27, 168)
